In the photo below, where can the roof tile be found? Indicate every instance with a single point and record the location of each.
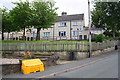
(70, 17)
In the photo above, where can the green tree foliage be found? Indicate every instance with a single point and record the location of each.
(106, 15)
(43, 15)
(7, 25)
(98, 38)
(4, 21)
(20, 15)
(40, 14)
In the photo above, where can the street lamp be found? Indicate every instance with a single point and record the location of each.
(89, 25)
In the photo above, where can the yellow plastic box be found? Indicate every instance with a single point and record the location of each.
(32, 65)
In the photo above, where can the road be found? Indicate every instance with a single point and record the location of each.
(107, 68)
(103, 66)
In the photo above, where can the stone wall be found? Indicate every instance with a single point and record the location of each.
(15, 68)
(82, 55)
(10, 68)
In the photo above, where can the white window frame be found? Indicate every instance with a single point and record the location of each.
(46, 34)
(75, 23)
(62, 24)
(75, 33)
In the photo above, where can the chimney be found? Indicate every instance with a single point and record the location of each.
(64, 13)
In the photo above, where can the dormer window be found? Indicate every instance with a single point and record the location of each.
(62, 24)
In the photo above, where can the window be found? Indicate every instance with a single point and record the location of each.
(16, 32)
(62, 24)
(62, 33)
(81, 28)
(34, 35)
(75, 33)
(85, 37)
(5, 36)
(11, 36)
(74, 23)
(46, 34)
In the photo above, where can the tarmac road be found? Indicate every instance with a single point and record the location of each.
(107, 68)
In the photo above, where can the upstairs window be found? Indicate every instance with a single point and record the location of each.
(62, 24)
(74, 23)
(46, 34)
(62, 33)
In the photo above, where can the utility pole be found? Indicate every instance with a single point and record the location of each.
(70, 31)
(89, 25)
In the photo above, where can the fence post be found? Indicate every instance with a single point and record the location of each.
(63, 46)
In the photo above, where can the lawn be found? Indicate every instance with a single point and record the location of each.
(46, 45)
(21, 41)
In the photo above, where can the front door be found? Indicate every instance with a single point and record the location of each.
(80, 37)
(85, 37)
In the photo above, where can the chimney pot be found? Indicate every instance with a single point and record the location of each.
(64, 13)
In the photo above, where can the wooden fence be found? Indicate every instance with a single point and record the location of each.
(56, 46)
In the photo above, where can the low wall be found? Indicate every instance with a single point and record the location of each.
(10, 68)
(82, 55)
(15, 68)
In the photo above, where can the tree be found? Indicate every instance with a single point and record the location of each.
(6, 23)
(4, 17)
(43, 15)
(106, 15)
(20, 15)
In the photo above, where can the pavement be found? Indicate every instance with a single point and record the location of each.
(60, 67)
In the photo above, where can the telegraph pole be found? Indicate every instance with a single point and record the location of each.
(89, 25)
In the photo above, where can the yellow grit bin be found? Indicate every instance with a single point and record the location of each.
(32, 65)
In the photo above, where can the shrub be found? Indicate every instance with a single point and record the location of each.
(98, 38)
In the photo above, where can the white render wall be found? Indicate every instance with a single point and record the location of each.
(55, 30)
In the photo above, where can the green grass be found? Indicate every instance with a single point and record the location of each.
(51, 45)
(15, 41)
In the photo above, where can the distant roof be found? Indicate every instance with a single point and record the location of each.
(93, 28)
(71, 17)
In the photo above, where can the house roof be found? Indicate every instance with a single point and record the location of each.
(93, 28)
(70, 17)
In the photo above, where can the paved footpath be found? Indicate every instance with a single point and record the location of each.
(61, 67)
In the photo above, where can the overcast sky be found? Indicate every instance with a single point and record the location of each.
(69, 6)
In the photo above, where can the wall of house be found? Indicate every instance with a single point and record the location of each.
(54, 32)
(46, 30)
(84, 32)
(76, 28)
(66, 28)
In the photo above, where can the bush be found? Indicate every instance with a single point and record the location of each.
(110, 39)
(93, 38)
(98, 38)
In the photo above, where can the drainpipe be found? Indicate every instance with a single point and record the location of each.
(53, 32)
